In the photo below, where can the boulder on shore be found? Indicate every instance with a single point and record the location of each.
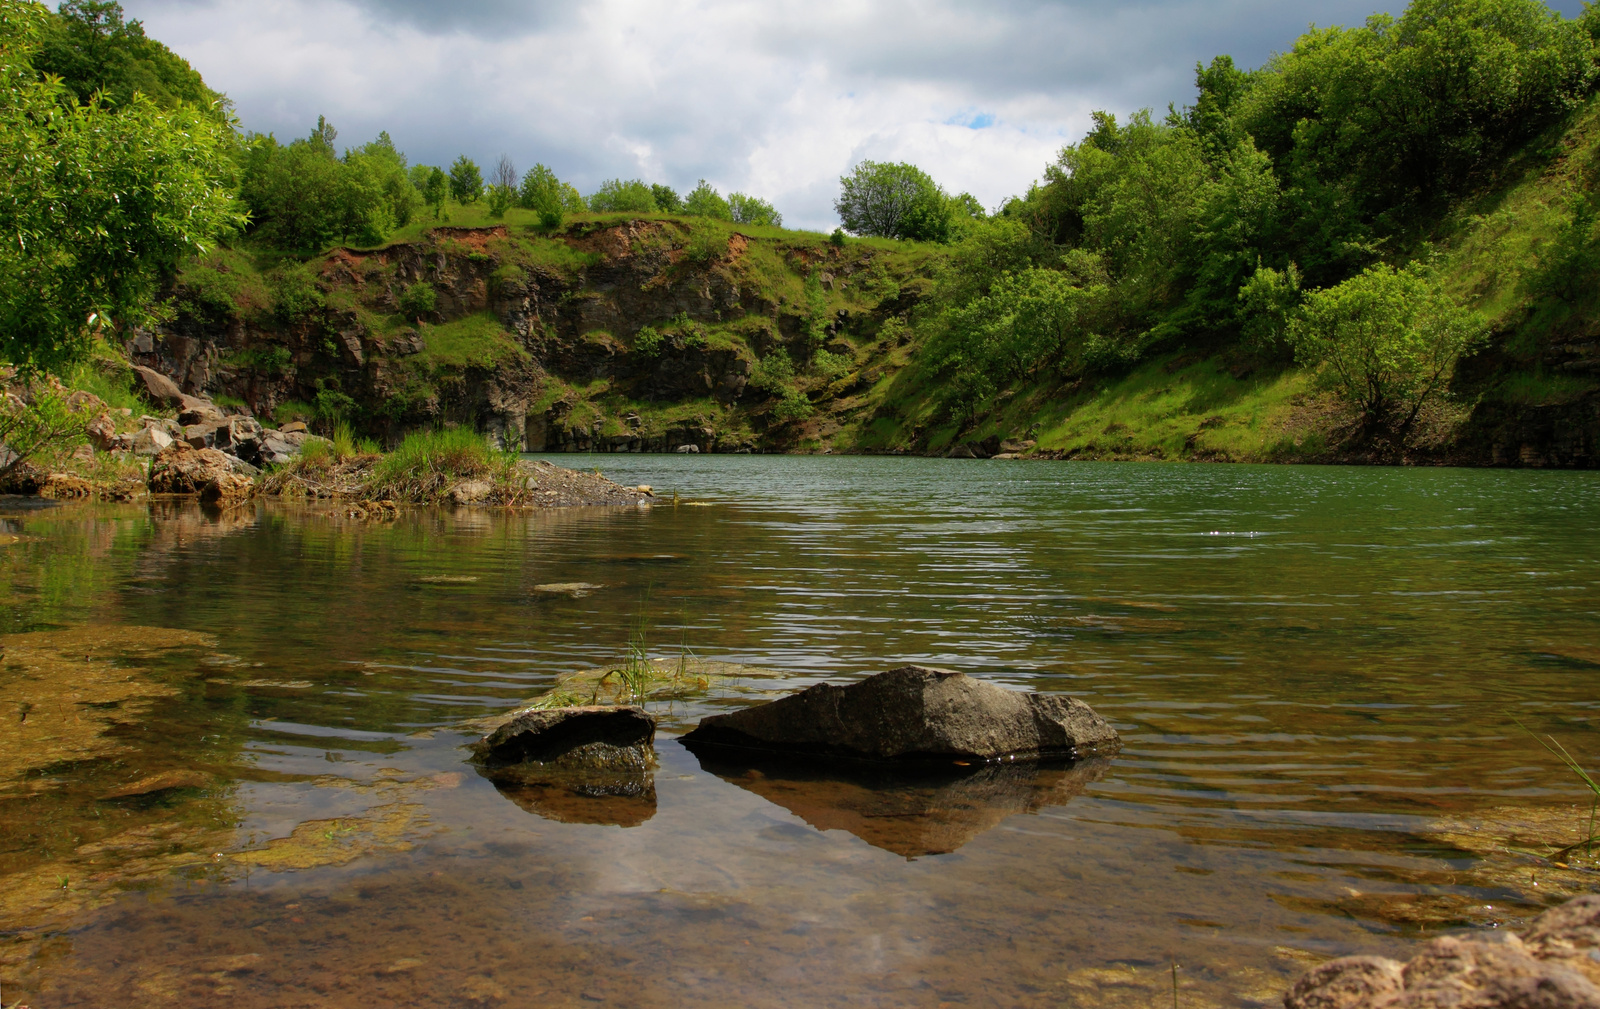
(180, 469)
(1554, 964)
(227, 490)
(915, 713)
(157, 388)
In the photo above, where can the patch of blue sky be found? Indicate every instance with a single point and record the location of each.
(971, 119)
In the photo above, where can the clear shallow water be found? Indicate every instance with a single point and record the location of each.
(1317, 673)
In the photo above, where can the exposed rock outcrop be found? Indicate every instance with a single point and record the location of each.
(180, 469)
(1554, 964)
(914, 713)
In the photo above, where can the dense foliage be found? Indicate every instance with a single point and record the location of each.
(95, 50)
(303, 195)
(1293, 183)
(99, 201)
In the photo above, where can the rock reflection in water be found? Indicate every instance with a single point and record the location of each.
(912, 810)
(624, 797)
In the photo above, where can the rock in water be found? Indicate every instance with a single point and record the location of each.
(589, 736)
(914, 713)
(588, 764)
(1553, 965)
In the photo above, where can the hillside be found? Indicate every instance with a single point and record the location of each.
(1383, 245)
(535, 337)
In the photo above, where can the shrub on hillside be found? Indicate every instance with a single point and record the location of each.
(746, 209)
(418, 300)
(618, 196)
(704, 201)
(1386, 340)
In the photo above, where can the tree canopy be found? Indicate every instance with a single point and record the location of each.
(98, 201)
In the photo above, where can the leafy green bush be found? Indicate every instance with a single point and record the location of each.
(1387, 340)
(667, 199)
(647, 342)
(1267, 302)
(333, 407)
(704, 201)
(548, 196)
(618, 196)
(773, 373)
(830, 365)
(837, 238)
(294, 291)
(746, 209)
(794, 406)
(706, 243)
(45, 425)
(1568, 266)
(100, 200)
(501, 199)
(418, 300)
(269, 360)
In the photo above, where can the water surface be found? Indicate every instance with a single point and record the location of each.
(227, 774)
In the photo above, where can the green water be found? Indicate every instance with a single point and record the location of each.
(1317, 672)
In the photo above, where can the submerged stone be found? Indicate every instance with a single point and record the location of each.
(1554, 964)
(914, 713)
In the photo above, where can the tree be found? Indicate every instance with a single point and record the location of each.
(97, 205)
(753, 210)
(1388, 341)
(618, 196)
(93, 49)
(435, 191)
(387, 164)
(544, 194)
(502, 186)
(667, 199)
(704, 201)
(893, 201)
(302, 196)
(466, 182)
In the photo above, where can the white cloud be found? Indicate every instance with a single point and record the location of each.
(772, 97)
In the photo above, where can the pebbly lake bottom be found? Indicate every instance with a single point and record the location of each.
(227, 773)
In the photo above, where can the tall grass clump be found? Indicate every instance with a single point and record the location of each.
(427, 464)
(1555, 749)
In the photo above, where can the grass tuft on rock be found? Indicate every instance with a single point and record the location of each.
(428, 464)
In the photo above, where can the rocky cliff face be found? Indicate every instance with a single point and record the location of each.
(642, 335)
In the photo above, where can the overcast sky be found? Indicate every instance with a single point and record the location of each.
(772, 97)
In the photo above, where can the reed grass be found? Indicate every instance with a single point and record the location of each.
(1553, 745)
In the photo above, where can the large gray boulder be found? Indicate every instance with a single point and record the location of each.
(914, 713)
(1554, 964)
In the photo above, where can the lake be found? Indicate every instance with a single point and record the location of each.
(228, 774)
